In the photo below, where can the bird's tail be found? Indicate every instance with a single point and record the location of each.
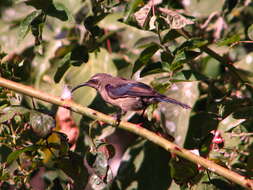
(173, 101)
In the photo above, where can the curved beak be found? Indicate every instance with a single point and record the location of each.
(80, 85)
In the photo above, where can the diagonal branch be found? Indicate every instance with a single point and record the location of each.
(167, 145)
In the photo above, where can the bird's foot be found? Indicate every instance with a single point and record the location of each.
(117, 117)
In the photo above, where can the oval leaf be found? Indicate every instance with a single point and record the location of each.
(145, 55)
(14, 155)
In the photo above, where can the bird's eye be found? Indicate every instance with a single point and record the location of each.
(93, 81)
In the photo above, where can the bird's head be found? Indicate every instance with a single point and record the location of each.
(94, 82)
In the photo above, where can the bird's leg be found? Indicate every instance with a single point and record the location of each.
(144, 105)
(118, 116)
(143, 112)
(141, 118)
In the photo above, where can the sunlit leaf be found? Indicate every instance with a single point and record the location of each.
(210, 67)
(250, 32)
(61, 7)
(229, 40)
(25, 25)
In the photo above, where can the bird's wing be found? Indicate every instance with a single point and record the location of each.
(129, 89)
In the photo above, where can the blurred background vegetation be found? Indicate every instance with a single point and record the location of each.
(196, 51)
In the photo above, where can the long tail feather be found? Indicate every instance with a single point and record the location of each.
(173, 101)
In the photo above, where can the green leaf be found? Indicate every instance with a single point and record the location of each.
(250, 32)
(25, 25)
(37, 26)
(131, 9)
(79, 55)
(188, 75)
(73, 167)
(64, 66)
(145, 56)
(5, 151)
(210, 67)
(185, 56)
(172, 67)
(6, 116)
(63, 50)
(244, 113)
(160, 87)
(61, 7)
(211, 181)
(76, 57)
(9, 112)
(166, 66)
(191, 44)
(171, 35)
(52, 8)
(152, 68)
(229, 41)
(142, 42)
(14, 155)
(183, 171)
(147, 168)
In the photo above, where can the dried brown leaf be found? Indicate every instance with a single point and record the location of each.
(174, 19)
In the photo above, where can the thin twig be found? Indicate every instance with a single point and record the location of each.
(236, 43)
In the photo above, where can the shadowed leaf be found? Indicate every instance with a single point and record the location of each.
(145, 56)
(54, 9)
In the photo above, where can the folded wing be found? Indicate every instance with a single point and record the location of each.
(130, 90)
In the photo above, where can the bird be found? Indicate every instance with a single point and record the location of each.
(128, 95)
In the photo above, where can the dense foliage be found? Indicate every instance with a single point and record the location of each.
(198, 52)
